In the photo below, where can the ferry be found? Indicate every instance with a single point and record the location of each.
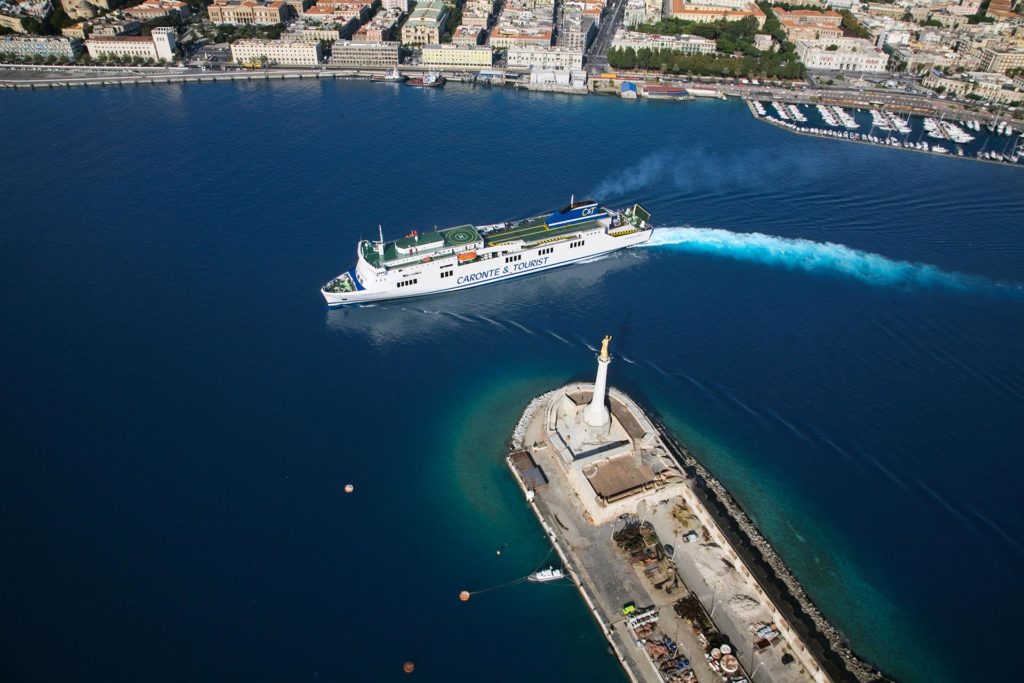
(465, 256)
(548, 574)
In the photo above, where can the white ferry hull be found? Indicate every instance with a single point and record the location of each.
(588, 245)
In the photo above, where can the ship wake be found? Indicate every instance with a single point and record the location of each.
(824, 257)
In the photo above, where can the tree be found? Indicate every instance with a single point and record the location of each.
(32, 25)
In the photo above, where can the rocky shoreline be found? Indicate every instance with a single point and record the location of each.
(762, 556)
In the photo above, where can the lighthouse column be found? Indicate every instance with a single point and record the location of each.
(596, 414)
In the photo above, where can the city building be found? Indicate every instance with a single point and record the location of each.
(112, 29)
(396, 5)
(448, 55)
(993, 87)
(841, 54)
(1001, 58)
(694, 45)
(255, 12)
(316, 34)
(158, 9)
(425, 24)
(28, 46)
(641, 12)
(379, 29)
(705, 14)
(259, 51)
(158, 46)
(524, 22)
(507, 36)
(544, 57)
(467, 35)
(809, 24)
(353, 54)
(764, 42)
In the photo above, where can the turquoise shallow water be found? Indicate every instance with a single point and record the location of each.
(180, 412)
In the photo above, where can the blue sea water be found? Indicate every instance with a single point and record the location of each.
(836, 329)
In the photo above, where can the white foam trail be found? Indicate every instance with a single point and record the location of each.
(522, 327)
(560, 338)
(811, 256)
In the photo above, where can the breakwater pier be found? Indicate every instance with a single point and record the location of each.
(680, 582)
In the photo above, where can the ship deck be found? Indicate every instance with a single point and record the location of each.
(535, 231)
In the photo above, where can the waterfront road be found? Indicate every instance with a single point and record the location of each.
(597, 55)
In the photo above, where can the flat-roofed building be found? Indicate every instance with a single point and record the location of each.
(290, 52)
(475, 18)
(807, 16)
(81, 30)
(467, 35)
(687, 44)
(544, 57)
(425, 24)
(448, 55)
(111, 29)
(160, 45)
(507, 36)
(986, 85)
(379, 29)
(706, 14)
(1001, 58)
(12, 22)
(158, 9)
(317, 34)
(29, 46)
(396, 5)
(248, 12)
(352, 54)
(841, 54)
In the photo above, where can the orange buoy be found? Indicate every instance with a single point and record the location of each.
(408, 667)
(349, 488)
(464, 596)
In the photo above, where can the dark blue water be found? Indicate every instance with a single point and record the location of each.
(180, 412)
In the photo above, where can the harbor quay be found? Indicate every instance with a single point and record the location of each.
(680, 582)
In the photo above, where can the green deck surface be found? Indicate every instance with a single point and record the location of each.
(536, 231)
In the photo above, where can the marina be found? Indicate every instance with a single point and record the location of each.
(933, 135)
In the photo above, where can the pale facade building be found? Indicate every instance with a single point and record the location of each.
(353, 54)
(467, 35)
(248, 12)
(706, 14)
(448, 55)
(850, 54)
(1001, 59)
(157, 9)
(693, 45)
(160, 45)
(425, 24)
(544, 57)
(29, 46)
(288, 52)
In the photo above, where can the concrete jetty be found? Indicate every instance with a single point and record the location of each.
(679, 580)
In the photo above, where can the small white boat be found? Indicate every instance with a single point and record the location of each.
(549, 574)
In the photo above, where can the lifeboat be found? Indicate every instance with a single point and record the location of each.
(467, 256)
